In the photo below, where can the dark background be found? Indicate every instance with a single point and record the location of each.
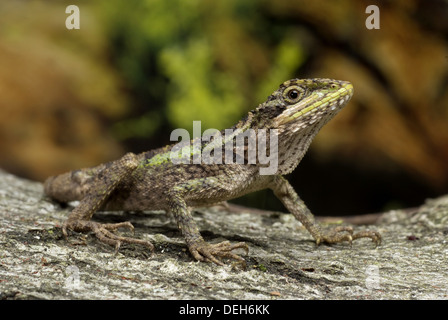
(136, 70)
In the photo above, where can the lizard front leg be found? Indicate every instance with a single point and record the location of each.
(104, 182)
(286, 194)
(201, 250)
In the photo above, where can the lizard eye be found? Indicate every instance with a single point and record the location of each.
(293, 94)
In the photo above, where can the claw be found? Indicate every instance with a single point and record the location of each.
(374, 235)
(336, 236)
(211, 252)
(117, 247)
(104, 232)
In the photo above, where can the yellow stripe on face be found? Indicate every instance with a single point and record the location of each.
(342, 92)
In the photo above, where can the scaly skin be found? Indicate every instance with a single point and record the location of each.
(150, 180)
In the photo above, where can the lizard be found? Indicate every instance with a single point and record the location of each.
(297, 110)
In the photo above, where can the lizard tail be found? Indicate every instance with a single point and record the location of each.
(63, 188)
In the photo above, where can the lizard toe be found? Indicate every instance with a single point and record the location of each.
(342, 233)
(104, 232)
(214, 252)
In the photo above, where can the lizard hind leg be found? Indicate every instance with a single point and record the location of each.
(101, 186)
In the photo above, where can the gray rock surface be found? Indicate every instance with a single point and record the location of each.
(283, 261)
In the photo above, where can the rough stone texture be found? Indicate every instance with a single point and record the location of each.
(283, 261)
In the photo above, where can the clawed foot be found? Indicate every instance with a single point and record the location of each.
(203, 251)
(104, 232)
(340, 234)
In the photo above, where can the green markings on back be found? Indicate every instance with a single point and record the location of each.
(158, 159)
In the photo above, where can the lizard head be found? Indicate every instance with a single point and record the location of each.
(301, 104)
(298, 110)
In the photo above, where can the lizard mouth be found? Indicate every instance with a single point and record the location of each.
(312, 106)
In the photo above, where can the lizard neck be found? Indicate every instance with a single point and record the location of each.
(291, 145)
(294, 141)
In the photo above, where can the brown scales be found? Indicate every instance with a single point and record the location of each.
(297, 110)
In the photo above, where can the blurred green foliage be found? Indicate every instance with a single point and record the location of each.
(195, 60)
